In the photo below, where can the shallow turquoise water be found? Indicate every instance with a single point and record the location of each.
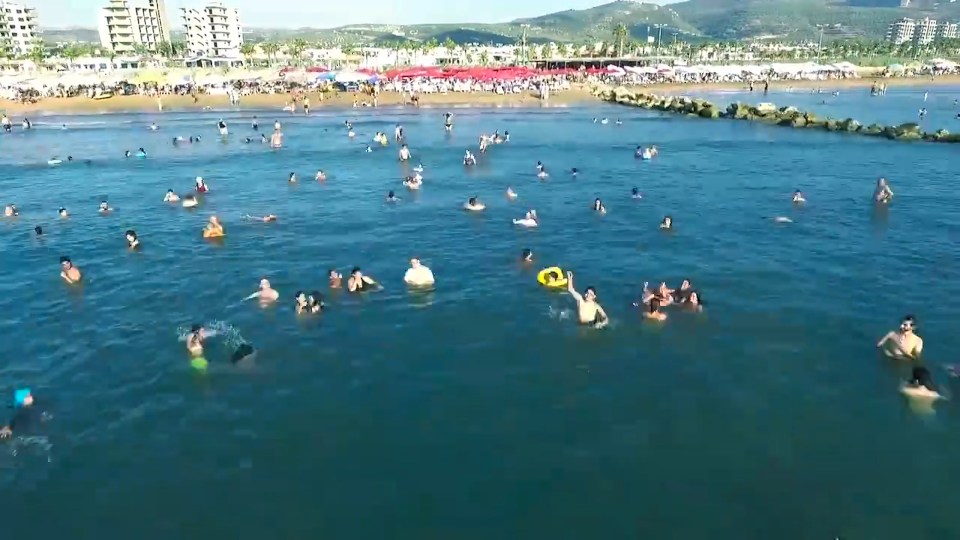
(475, 411)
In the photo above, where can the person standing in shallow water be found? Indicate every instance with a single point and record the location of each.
(902, 343)
(70, 273)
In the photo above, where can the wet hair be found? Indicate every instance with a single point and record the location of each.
(196, 327)
(590, 289)
(331, 271)
(65, 259)
(38, 229)
(131, 232)
(921, 377)
(317, 298)
(473, 200)
(910, 319)
(634, 191)
(526, 253)
(574, 170)
(355, 270)
(61, 210)
(654, 304)
(390, 194)
(298, 294)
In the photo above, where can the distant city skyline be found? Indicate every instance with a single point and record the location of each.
(260, 14)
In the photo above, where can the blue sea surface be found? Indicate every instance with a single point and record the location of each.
(480, 409)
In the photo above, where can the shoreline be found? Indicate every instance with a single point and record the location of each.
(580, 93)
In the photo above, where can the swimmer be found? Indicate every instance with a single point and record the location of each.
(153, 127)
(170, 196)
(391, 197)
(666, 224)
(798, 197)
(276, 140)
(195, 341)
(412, 183)
(920, 385)
(588, 310)
(448, 121)
(23, 416)
(54, 161)
(190, 201)
(104, 208)
(222, 127)
(38, 230)
(141, 152)
(321, 176)
(882, 194)
(574, 171)
(506, 136)
(247, 140)
(132, 241)
(469, 160)
(292, 179)
(511, 194)
(11, 211)
(301, 304)
(418, 275)
(619, 122)
(265, 293)
(359, 282)
(542, 173)
(263, 139)
(200, 185)
(526, 256)
(635, 194)
(315, 302)
(126, 153)
(782, 219)
(265, 219)
(351, 134)
(213, 229)
(70, 273)
(539, 166)
(599, 207)
(335, 278)
(368, 150)
(255, 124)
(404, 154)
(681, 293)
(693, 301)
(529, 220)
(62, 212)
(398, 133)
(474, 205)
(653, 312)
(903, 343)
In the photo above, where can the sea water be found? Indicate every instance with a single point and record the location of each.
(479, 410)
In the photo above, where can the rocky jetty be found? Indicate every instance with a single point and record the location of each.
(768, 113)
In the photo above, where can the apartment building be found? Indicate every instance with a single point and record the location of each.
(901, 31)
(926, 31)
(949, 31)
(123, 27)
(213, 31)
(18, 27)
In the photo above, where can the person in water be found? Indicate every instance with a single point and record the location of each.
(920, 385)
(653, 312)
(170, 196)
(526, 256)
(335, 278)
(589, 311)
(213, 228)
(301, 304)
(292, 179)
(132, 241)
(195, 340)
(667, 223)
(359, 282)
(598, 206)
(105, 208)
(798, 197)
(38, 230)
(418, 275)
(200, 185)
(265, 293)
(474, 205)
(70, 273)
(269, 218)
(315, 302)
(693, 301)
(882, 194)
(511, 194)
(62, 212)
(404, 153)
(11, 210)
(635, 194)
(391, 197)
(321, 176)
(24, 415)
(190, 201)
(903, 343)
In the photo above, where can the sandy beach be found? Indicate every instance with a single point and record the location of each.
(578, 94)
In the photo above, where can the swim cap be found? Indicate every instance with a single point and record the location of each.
(20, 396)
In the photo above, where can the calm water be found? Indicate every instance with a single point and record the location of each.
(476, 411)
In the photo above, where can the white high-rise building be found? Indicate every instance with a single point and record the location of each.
(901, 31)
(213, 31)
(949, 31)
(122, 26)
(926, 31)
(18, 27)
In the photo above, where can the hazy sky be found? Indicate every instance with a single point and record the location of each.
(325, 13)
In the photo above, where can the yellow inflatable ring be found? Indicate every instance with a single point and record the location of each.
(552, 277)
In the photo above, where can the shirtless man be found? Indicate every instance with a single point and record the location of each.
(588, 310)
(336, 279)
(905, 344)
(195, 341)
(266, 294)
(69, 272)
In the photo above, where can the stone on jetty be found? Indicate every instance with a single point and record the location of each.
(768, 113)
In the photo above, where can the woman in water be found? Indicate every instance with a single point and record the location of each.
(598, 206)
(359, 282)
(321, 176)
(920, 385)
(170, 196)
(292, 179)
(301, 303)
(11, 211)
(653, 312)
(666, 224)
(195, 341)
(693, 302)
(798, 197)
(526, 256)
(315, 302)
(882, 194)
(413, 183)
(213, 229)
(200, 185)
(469, 160)
(474, 205)
(132, 241)
(62, 212)
(335, 278)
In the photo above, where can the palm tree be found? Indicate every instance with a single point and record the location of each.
(247, 49)
(296, 48)
(448, 44)
(620, 34)
(71, 53)
(270, 49)
(431, 44)
(6, 48)
(38, 51)
(484, 58)
(165, 49)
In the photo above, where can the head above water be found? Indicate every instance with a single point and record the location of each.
(590, 293)
(131, 235)
(39, 230)
(414, 263)
(65, 261)
(264, 284)
(526, 254)
(355, 271)
(908, 324)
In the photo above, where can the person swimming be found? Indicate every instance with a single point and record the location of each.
(38, 230)
(301, 305)
(126, 153)
(904, 343)
(798, 197)
(170, 196)
(474, 205)
(598, 206)
(666, 224)
(391, 197)
(418, 275)
(265, 293)
(418, 168)
(920, 385)
(24, 414)
(589, 311)
(635, 194)
(526, 255)
(320, 176)
(574, 171)
(200, 186)
(469, 160)
(653, 312)
(412, 182)
(359, 282)
(222, 127)
(62, 212)
(335, 278)
(11, 210)
(133, 242)
(70, 273)
(269, 218)
(141, 153)
(195, 340)
(292, 178)
(153, 126)
(404, 153)
(315, 302)
(542, 173)
(213, 229)
(104, 208)
(529, 220)
(511, 194)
